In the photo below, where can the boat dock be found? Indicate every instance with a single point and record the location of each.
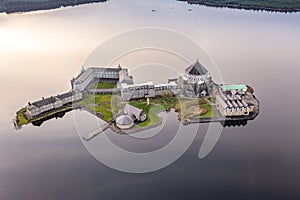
(96, 132)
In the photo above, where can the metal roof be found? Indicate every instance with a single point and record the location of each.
(171, 84)
(129, 109)
(196, 69)
(124, 120)
(84, 75)
(89, 71)
(65, 95)
(44, 102)
(229, 104)
(245, 104)
(233, 87)
(234, 104)
(148, 84)
(239, 103)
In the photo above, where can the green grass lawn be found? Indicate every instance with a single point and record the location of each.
(151, 110)
(21, 117)
(103, 98)
(166, 102)
(107, 114)
(22, 120)
(98, 103)
(102, 104)
(95, 99)
(202, 101)
(105, 85)
(156, 106)
(210, 111)
(212, 99)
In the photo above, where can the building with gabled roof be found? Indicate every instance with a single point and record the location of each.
(232, 104)
(87, 76)
(135, 113)
(196, 81)
(47, 104)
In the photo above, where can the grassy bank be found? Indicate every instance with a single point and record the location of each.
(151, 112)
(156, 106)
(22, 120)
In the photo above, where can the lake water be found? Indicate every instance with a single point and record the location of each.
(41, 51)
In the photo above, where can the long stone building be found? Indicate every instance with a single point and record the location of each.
(146, 90)
(54, 102)
(195, 82)
(91, 74)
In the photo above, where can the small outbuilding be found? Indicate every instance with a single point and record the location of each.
(135, 113)
(124, 122)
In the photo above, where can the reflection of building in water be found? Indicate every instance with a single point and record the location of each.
(36, 108)
(234, 100)
(196, 81)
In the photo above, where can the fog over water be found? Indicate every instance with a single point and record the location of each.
(41, 51)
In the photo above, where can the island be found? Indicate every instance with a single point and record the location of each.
(128, 107)
(13, 6)
(258, 5)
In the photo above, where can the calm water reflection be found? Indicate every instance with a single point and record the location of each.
(40, 52)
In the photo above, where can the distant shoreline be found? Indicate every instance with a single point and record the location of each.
(19, 6)
(219, 4)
